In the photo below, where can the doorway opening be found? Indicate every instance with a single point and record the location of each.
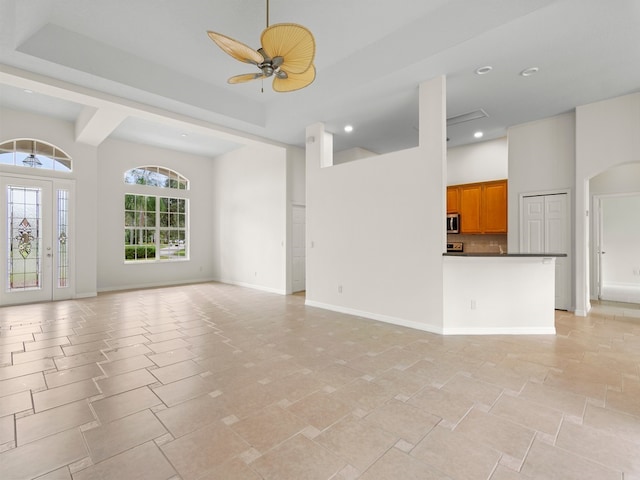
(617, 247)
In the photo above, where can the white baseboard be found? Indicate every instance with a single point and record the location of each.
(154, 285)
(425, 327)
(621, 292)
(253, 286)
(190, 282)
(501, 331)
(86, 295)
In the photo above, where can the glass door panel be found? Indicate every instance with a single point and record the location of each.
(26, 230)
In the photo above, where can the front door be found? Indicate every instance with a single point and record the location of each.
(34, 231)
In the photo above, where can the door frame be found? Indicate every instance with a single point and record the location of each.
(57, 183)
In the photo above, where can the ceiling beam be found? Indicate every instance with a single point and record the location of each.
(93, 125)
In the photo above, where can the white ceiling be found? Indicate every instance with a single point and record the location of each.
(146, 71)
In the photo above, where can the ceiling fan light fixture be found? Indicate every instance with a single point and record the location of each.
(286, 53)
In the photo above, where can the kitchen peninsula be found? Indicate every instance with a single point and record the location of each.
(493, 293)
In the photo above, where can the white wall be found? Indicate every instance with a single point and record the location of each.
(352, 154)
(607, 134)
(492, 295)
(14, 124)
(541, 160)
(478, 162)
(375, 229)
(249, 212)
(116, 157)
(619, 179)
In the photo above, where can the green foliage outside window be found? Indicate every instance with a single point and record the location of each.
(155, 227)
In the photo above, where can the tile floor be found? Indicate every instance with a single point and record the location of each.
(213, 381)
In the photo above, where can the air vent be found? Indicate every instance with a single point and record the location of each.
(466, 117)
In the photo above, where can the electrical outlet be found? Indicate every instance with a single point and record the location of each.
(473, 304)
(339, 288)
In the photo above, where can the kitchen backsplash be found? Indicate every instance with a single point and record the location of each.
(480, 243)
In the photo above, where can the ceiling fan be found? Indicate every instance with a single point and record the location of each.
(286, 53)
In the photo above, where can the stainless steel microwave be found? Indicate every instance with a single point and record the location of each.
(453, 223)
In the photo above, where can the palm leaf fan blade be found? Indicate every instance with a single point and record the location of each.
(236, 49)
(245, 77)
(291, 41)
(294, 81)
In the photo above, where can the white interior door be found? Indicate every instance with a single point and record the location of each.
(532, 239)
(558, 240)
(545, 228)
(299, 245)
(36, 256)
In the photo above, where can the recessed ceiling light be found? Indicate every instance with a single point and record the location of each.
(26, 90)
(348, 128)
(483, 70)
(478, 134)
(527, 72)
(184, 134)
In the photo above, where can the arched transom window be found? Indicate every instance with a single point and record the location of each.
(155, 176)
(30, 153)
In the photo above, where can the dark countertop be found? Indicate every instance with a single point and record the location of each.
(465, 254)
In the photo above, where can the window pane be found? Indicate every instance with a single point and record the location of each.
(24, 242)
(129, 202)
(129, 219)
(155, 176)
(155, 228)
(63, 236)
(30, 153)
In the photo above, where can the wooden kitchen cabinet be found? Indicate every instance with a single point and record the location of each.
(482, 206)
(495, 207)
(471, 208)
(453, 199)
